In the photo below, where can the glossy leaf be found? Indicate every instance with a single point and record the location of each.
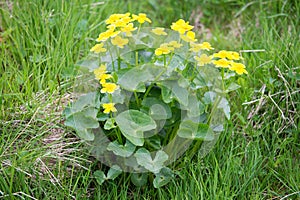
(121, 150)
(158, 110)
(99, 176)
(109, 124)
(133, 123)
(113, 172)
(171, 90)
(163, 177)
(144, 159)
(82, 124)
(193, 130)
(139, 179)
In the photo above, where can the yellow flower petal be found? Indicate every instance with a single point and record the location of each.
(141, 18)
(203, 59)
(120, 42)
(175, 44)
(159, 31)
(98, 48)
(239, 68)
(181, 26)
(109, 88)
(222, 63)
(100, 71)
(189, 37)
(109, 107)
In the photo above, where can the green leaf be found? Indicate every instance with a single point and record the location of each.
(109, 124)
(195, 107)
(209, 97)
(171, 89)
(232, 87)
(133, 124)
(132, 79)
(224, 105)
(154, 142)
(139, 179)
(192, 130)
(121, 150)
(158, 110)
(198, 82)
(89, 100)
(113, 172)
(82, 124)
(144, 159)
(163, 177)
(99, 176)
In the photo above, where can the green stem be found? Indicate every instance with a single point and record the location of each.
(152, 84)
(136, 58)
(119, 63)
(136, 98)
(222, 73)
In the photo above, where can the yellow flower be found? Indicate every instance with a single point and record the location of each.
(108, 88)
(175, 44)
(118, 41)
(222, 63)
(107, 34)
(239, 68)
(189, 37)
(100, 71)
(98, 48)
(128, 29)
(181, 26)
(221, 54)
(195, 47)
(116, 17)
(159, 31)
(203, 59)
(141, 18)
(103, 78)
(162, 50)
(232, 55)
(206, 46)
(109, 107)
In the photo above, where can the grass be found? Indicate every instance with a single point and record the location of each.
(257, 156)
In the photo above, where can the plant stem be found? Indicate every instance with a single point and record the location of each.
(136, 58)
(136, 98)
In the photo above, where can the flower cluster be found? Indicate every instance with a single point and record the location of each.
(121, 26)
(107, 87)
(116, 25)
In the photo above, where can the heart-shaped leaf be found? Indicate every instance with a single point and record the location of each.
(99, 176)
(121, 150)
(133, 123)
(139, 179)
(113, 172)
(171, 89)
(224, 105)
(109, 124)
(195, 107)
(209, 97)
(82, 124)
(193, 130)
(232, 87)
(144, 159)
(132, 79)
(163, 177)
(158, 110)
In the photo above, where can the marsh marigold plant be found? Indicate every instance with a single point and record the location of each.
(161, 92)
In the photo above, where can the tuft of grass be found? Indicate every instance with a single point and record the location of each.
(257, 156)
